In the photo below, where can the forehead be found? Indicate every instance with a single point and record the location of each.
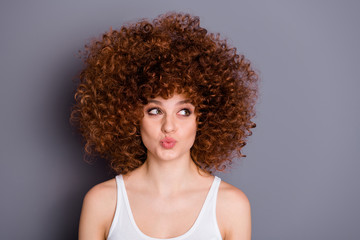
(175, 99)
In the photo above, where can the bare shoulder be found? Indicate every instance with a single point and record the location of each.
(98, 211)
(232, 197)
(233, 212)
(105, 191)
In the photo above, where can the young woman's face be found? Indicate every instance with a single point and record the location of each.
(168, 128)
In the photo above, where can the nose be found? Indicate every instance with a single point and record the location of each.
(168, 125)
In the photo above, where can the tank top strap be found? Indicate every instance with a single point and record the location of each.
(210, 202)
(119, 204)
(215, 187)
(209, 211)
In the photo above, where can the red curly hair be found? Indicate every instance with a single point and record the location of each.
(171, 54)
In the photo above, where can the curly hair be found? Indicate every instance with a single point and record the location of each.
(170, 54)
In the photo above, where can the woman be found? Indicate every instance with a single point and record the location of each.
(167, 104)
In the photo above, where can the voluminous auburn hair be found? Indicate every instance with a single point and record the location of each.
(170, 54)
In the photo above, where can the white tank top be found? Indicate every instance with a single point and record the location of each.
(123, 226)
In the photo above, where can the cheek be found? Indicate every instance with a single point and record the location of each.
(191, 130)
(143, 130)
(148, 133)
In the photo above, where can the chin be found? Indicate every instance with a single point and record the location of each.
(168, 155)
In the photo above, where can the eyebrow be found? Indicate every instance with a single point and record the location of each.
(178, 103)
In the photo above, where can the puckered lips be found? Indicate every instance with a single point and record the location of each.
(168, 142)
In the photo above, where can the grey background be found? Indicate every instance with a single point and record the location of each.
(301, 173)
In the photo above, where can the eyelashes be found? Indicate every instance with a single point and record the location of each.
(185, 112)
(157, 111)
(153, 111)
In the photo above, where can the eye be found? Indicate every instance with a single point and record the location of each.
(153, 111)
(185, 112)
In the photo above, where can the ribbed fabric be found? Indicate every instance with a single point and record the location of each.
(123, 226)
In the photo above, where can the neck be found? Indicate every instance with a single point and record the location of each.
(167, 178)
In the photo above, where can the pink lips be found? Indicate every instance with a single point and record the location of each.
(168, 142)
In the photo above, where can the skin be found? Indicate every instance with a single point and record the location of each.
(163, 187)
